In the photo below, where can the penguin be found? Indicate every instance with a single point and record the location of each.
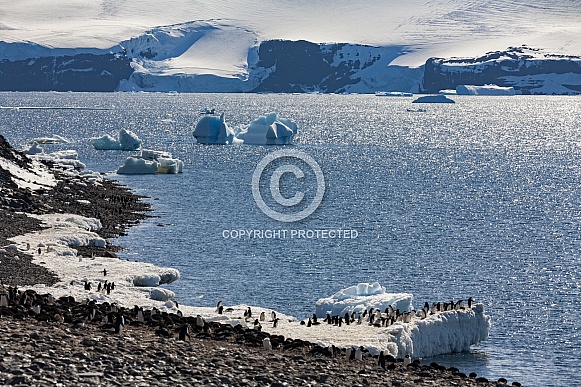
(358, 354)
(39, 251)
(184, 333)
(112, 285)
(314, 318)
(329, 319)
(267, 344)
(104, 272)
(381, 360)
(119, 323)
(140, 317)
(310, 323)
(87, 286)
(200, 321)
(273, 315)
(248, 313)
(275, 322)
(348, 353)
(470, 300)
(347, 318)
(218, 305)
(3, 300)
(407, 360)
(99, 288)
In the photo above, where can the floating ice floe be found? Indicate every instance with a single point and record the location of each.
(55, 139)
(393, 94)
(127, 140)
(438, 98)
(151, 162)
(265, 130)
(484, 90)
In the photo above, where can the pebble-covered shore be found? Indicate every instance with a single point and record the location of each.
(60, 345)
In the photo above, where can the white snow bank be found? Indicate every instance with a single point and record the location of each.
(439, 98)
(212, 129)
(127, 140)
(73, 271)
(36, 177)
(484, 90)
(268, 130)
(362, 297)
(151, 162)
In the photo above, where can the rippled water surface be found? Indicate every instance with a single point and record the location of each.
(481, 198)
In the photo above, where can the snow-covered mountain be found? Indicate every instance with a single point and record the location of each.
(217, 45)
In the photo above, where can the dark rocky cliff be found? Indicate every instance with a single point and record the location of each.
(301, 66)
(527, 70)
(80, 72)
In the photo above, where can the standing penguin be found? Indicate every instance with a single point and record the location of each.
(119, 323)
(407, 360)
(381, 360)
(184, 333)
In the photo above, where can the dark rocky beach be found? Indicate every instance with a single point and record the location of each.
(47, 341)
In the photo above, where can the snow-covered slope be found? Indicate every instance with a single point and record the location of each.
(214, 42)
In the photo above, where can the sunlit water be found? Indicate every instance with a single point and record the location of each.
(481, 198)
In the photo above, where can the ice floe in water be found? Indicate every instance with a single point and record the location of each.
(439, 98)
(151, 162)
(126, 140)
(484, 90)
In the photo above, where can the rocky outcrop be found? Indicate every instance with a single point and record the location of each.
(528, 70)
(80, 72)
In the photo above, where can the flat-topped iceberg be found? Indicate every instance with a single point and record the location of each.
(438, 98)
(151, 162)
(127, 140)
(484, 90)
(212, 129)
(361, 297)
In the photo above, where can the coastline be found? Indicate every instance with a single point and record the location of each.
(216, 359)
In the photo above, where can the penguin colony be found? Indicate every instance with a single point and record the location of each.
(111, 318)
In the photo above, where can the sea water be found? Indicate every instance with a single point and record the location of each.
(480, 198)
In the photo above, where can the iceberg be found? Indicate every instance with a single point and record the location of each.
(439, 98)
(484, 90)
(127, 140)
(268, 130)
(393, 94)
(151, 162)
(212, 129)
(55, 139)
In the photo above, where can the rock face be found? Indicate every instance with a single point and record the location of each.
(80, 72)
(301, 66)
(528, 70)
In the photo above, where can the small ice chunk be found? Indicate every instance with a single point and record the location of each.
(146, 280)
(160, 294)
(138, 166)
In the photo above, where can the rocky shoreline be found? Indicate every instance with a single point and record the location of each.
(71, 342)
